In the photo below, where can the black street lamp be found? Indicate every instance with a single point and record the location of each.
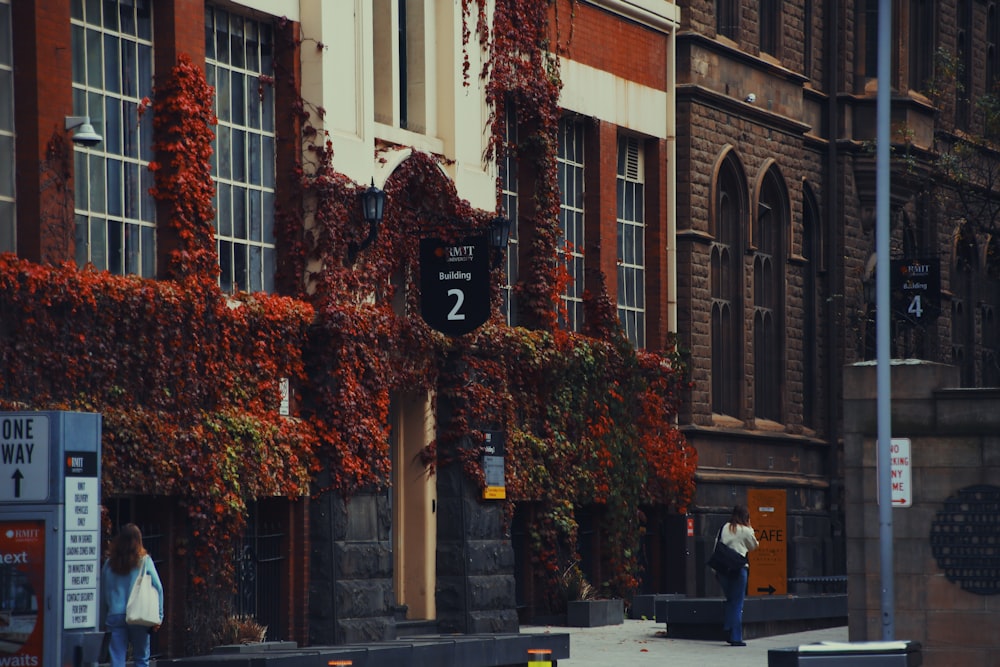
(372, 209)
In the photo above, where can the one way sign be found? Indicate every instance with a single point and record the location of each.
(24, 458)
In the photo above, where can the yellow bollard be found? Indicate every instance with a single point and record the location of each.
(539, 657)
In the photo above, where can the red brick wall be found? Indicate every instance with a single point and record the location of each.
(43, 88)
(605, 41)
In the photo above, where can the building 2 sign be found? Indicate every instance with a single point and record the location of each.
(455, 284)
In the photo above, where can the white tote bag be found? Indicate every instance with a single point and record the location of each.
(143, 606)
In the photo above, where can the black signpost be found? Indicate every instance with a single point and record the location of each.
(455, 284)
(915, 284)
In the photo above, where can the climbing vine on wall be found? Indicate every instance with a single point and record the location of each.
(187, 377)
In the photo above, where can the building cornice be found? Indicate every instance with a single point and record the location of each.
(656, 14)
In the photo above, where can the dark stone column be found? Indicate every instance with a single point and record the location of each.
(475, 560)
(350, 592)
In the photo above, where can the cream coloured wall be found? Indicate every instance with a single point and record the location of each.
(341, 78)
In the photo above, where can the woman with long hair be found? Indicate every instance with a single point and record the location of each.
(738, 535)
(126, 559)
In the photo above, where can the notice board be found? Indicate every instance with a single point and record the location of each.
(769, 563)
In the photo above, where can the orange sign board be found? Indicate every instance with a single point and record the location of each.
(769, 563)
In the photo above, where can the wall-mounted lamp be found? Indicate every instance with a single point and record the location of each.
(499, 237)
(85, 134)
(372, 208)
(500, 232)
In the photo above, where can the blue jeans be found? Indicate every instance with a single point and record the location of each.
(121, 636)
(734, 585)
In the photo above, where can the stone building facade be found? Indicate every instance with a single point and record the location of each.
(944, 564)
(776, 237)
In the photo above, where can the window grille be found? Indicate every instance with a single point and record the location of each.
(112, 53)
(570, 162)
(631, 241)
(8, 226)
(239, 54)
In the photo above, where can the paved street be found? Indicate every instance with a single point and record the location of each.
(638, 643)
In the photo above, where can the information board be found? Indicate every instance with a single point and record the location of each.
(82, 552)
(493, 465)
(769, 563)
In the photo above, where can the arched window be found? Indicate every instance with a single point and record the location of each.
(727, 253)
(769, 231)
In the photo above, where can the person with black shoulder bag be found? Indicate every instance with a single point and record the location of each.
(734, 541)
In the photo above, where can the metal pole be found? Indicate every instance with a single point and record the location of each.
(884, 382)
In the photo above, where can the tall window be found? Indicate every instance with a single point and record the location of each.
(727, 18)
(992, 46)
(922, 43)
(811, 245)
(727, 268)
(991, 316)
(240, 65)
(769, 20)
(570, 162)
(963, 317)
(7, 220)
(112, 74)
(807, 39)
(768, 296)
(869, 24)
(963, 86)
(508, 178)
(401, 62)
(631, 241)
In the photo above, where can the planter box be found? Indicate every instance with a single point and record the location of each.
(592, 613)
(255, 647)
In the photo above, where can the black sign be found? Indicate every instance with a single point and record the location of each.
(916, 288)
(455, 284)
(81, 464)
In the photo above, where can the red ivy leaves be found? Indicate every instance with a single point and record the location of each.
(183, 117)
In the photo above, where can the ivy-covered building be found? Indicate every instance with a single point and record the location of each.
(188, 256)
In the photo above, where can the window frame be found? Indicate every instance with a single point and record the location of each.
(630, 180)
(115, 230)
(246, 247)
(572, 219)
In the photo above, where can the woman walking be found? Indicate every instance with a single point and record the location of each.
(738, 535)
(126, 559)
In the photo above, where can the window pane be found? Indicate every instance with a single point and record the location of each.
(97, 200)
(7, 226)
(6, 166)
(114, 187)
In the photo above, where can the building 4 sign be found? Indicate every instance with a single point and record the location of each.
(455, 284)
(916, 288)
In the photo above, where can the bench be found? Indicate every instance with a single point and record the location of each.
(829, 584)
(763, 616)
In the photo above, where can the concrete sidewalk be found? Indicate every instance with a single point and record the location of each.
(642, 643)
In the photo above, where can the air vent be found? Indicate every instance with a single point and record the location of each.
(633, 160)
